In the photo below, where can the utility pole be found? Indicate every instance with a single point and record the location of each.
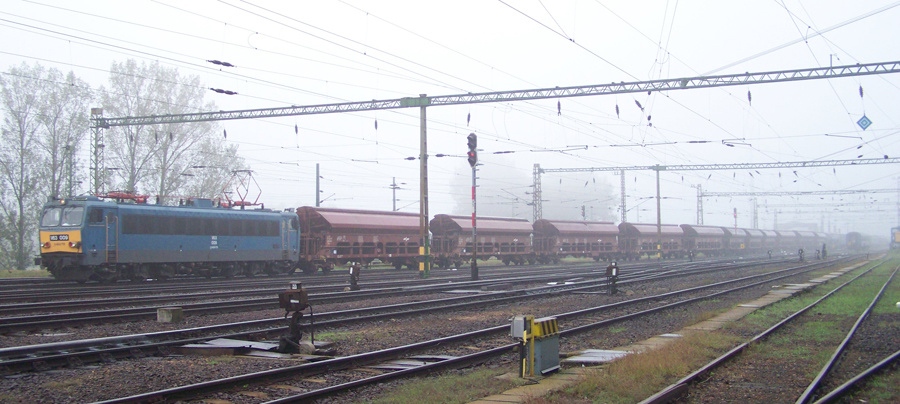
(425, 234)
(70, 169)
(394, 190)
(735, 220)
(536, 206)
(755, 214)
(317, 186)
(472, 155)
(658, 168)
(97, 168)
(622, 190)
(699, 203)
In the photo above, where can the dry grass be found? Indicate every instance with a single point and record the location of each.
(451, 389)
(30, 273)
(63, 384)
(636, 377)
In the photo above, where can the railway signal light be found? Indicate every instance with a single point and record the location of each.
(473, 152)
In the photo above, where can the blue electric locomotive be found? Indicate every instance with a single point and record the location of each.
(85, 238)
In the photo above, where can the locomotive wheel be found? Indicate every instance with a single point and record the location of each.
(253, 269)
(106, 276)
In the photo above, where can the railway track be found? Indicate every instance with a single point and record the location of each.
(45, 356)
(493, 300)
(147, 306)
(348, 372)
(684, 386)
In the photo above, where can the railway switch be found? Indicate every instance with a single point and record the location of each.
(539, 352)
(294, 300)
(355, 267)
(612, 276)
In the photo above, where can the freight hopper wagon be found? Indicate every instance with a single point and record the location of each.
(556, 239)
(333, 237)
(754, 242)
(709, 240)
(507, 239)
(637, 239)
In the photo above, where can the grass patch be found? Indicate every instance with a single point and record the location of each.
(63, 385)
(219, 359)
(635, 377)
(451, 389)
(882, 389)
(355, 337)
(615, 329)
(28, 273)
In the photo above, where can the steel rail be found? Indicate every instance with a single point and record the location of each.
(678, 388)
(12, 324)
(841, 390)
(826, 369)
(44, 356)
(304, 397)
(183, 392)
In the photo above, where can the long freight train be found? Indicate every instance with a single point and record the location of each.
(86, 238)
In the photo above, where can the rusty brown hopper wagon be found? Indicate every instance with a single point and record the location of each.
(556, 239)
(636, 239)
(332, 237)
(709, 240)
(507, 239)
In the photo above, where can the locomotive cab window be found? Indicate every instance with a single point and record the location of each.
(51, 217)
(95, 216)
(67, 217)
(72, 216)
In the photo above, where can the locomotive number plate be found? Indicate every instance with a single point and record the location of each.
(59, 237)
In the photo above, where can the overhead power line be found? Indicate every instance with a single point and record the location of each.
(793, 193)
(735, 166)
(98, 122)
(538, 208)
(519, 95)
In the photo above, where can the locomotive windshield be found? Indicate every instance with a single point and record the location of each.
(68, 216)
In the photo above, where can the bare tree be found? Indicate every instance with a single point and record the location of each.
(160, 159)
(63, 125)
(130, 149)
(217, 162)
(23, 188)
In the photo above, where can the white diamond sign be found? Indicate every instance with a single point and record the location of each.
(864, 122)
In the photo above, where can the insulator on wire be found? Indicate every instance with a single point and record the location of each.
(617, 110)
(376, 124)
(860, 92)
(296, 129)
(468, 118)
(749, 98)
(225, 133)
(558, 108)
(639, 105)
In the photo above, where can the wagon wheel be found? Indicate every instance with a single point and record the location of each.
(309, 269)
